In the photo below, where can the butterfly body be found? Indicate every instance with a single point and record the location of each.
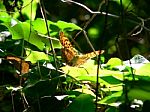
(70, 54)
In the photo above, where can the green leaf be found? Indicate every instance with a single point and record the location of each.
(34, 56)
(111, 79)
(111, 99)
(126, 3)
(144, 70)
(112, 109)
(82, 103)
(87, 68)
(139, 90)
(41, 88)
(56, 43)
(86, 91)
(26, 10)
(137, 93)
(114, 62)
(69, 26)
(23, 30)
(3, 12)
(30, 35)
(40, 26)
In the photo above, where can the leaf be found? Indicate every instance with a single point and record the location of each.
(82, 103)
(86, 91)
(46, 41)
(22, 30)
(114, 62)
(69, 26)
(3, 12)
(139, 90)
(40, 26)
(111, 79)
(126, 4)
(140, 94)
(111, 99)
(112, 109)
(41, 88)
(26, 10)
(144, 70)
(87, 68)
(34, 56)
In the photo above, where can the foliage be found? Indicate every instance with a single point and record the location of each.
(49, 84)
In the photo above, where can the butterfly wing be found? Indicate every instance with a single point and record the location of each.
(81, 59)
(68, 52)
(93, 54)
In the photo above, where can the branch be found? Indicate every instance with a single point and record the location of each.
(89, 10)
(104, 13)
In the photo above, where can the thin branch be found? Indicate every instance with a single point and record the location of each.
(85, 26)
(142, 25)
(89, 10)
(87, 39)
(12, 100)
(48, 33)
(24, 99)
(85, 7)
(93, 16)
(104, 13)
(139, 25)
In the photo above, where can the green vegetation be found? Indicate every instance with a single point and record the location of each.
(33, 77)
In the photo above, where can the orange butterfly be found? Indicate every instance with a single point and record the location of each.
(71, 56)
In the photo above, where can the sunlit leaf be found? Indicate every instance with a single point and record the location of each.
(114, 62)
(3, 11)
(69, 26)
(34, 56)
(40, 26)
(46, 41)
(86, 91)
(111, 99)
(23, 30)
(26, 10)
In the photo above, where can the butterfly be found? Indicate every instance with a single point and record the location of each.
(70, 54)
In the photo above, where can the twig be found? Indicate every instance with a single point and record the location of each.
(104, 13)
(85, 26)
(89, 10)
(85, 35)
(12, 100)
(142, 25)
(48, 33)
(136, 27)
(93, 16)
(85, 7)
